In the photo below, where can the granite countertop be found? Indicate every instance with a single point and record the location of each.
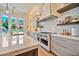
(29, 44)
(66, 36)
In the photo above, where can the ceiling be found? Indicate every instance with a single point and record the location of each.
(20, 7)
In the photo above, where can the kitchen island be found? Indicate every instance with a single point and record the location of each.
(28, 48)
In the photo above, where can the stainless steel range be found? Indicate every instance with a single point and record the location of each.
(45, 38)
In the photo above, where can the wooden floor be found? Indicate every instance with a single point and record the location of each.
(43, 52)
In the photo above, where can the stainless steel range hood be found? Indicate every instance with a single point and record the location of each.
(50, 17)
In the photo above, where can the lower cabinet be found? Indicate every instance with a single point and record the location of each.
(58, 50)
(29, 53)
(73, 47)
(64, 47)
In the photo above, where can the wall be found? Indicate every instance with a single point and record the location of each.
(44, 12)
(32, 15)
(18, 15)
(49, 26)
(55, 7)
(52, 25)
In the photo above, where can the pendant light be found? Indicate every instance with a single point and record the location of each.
(7, 8)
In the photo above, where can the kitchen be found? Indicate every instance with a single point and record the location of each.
(41, 25)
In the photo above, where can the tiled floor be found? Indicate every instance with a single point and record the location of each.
(43, 52)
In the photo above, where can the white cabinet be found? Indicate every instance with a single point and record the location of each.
(65, 47)
(58, 46)
(59, 50)
(60, 41)
(73, 46)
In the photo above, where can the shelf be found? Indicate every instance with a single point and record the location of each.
(50, 17)
(40, 26)
(72, 23)
(68, 7)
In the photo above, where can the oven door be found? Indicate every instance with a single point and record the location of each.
(44, 43)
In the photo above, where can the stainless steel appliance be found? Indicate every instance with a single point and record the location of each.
(45, 38)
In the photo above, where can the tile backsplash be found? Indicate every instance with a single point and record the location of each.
(51, 26)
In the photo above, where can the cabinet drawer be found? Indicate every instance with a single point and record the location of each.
(60, 50)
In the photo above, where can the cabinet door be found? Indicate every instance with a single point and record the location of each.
(73, 46)
(58, 46)
(53, 46)
(60, 50)
(60, 41)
